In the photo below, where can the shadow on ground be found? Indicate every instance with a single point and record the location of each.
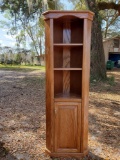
(90, 156)
(4, 153)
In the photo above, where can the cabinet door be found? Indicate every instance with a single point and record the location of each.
(67, 127)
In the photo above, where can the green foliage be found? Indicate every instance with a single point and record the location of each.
(51, 5)
(18, 58)
(111, 80)
(19, 8)
(109, 18)
(24, 23)
(21, 67)
(110, 22)
(25, 20)
(79, 4)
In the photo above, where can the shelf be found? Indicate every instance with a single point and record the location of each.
(70, 95)
(68, 44)
(67, 96)
(68, 69)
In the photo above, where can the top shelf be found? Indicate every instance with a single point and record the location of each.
(68, 44)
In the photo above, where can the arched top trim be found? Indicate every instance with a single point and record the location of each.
(58, 14)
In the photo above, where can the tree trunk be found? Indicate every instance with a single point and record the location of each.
(98, 68)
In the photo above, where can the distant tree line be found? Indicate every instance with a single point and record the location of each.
(19, 56)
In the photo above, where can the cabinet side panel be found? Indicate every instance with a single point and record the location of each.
(85, 83)
(49, 93)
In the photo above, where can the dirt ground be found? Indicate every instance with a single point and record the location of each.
(22, 117)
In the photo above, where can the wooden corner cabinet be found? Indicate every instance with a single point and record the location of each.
(67, 36)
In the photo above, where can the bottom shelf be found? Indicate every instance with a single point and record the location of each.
(68, 82)
(70, 96)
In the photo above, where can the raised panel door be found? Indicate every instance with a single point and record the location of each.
(67, 127)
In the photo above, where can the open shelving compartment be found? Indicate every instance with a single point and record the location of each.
(68, 57)
(68, 30)
(68, 84)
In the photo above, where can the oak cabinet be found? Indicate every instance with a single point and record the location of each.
(67, 42)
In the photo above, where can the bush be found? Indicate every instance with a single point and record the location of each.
(2, 61)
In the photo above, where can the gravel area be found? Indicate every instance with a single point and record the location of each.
(22, 117)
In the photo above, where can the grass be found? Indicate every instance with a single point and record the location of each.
(21, 67)
(111, 80)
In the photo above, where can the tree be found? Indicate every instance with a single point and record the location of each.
(32, 57)
(110, 20)
(47, 4)
(18, 58)
(6, 54)
(100, 8)
(25, 22)
(79, 4)
(98, 68)
(109, 17)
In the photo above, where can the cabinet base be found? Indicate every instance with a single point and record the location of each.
(66, 155)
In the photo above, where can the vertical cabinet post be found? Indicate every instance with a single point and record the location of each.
(67, 36)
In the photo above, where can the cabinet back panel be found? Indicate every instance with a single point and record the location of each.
(77, 31)
(76, 57)
(74, 54)
(76, 82)
(66, 82)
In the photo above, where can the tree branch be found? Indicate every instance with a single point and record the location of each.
(109, 5)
